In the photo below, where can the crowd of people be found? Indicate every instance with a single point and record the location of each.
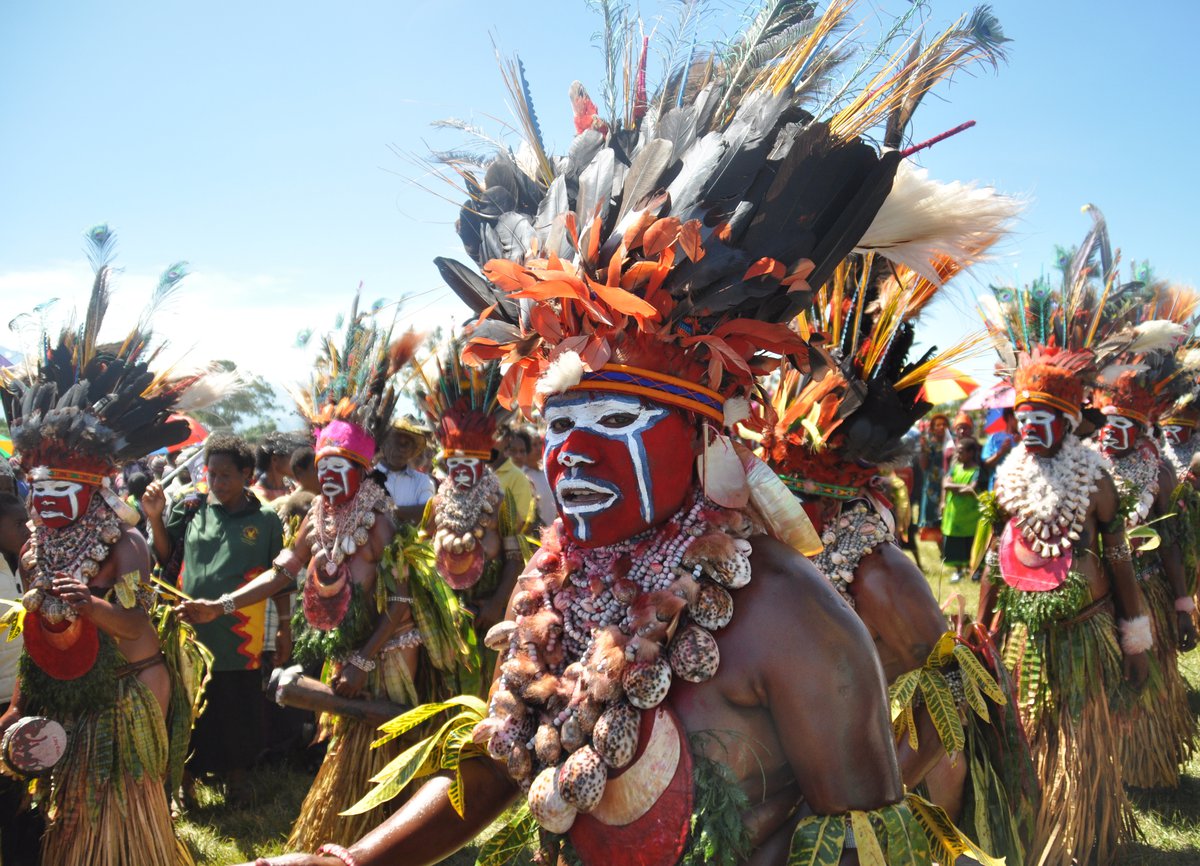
(628, 585)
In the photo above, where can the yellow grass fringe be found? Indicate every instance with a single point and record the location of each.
(106, 802)
(1157, 729)
(1084, 815)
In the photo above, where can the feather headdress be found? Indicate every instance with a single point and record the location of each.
(350, 401)
(462, 405)
(87, 407)
(673, 243)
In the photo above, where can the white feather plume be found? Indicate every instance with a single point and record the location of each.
(213, 386)
(922, 219)
(564, 373)
(1157, 335)
(1190, 360)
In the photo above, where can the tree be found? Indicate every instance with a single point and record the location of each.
(250, 411)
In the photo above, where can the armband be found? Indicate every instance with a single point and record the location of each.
(228, 605)
(511, 544)
(288, 562)
(1118, 552)
(361, 662)
(1185, 604)
(1135, 635)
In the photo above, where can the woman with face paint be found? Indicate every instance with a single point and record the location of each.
(1158, 727)
(97, 701)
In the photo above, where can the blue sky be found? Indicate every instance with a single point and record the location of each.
(256, 141)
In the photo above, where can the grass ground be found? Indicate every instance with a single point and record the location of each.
(219, 835)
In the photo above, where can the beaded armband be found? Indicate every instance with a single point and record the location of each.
(288, 562)
(1118, 552)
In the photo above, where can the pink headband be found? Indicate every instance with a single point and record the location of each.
(343, 439)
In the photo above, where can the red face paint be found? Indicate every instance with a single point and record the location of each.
(1040, 429)
(339, 479)
(1118, 435)
(60, 503)
(465, 472)
(1176, 434)
(617, 465)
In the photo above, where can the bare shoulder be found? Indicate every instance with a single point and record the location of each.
(131, 552)
(789, 604)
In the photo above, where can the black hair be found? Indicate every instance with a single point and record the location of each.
(969, 442)
(273, 445)
(303, 458)
(234, 447)
(524, 436)
(137, 484)
(11, 503)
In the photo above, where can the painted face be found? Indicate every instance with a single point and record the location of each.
(1119, 434)
(61, 503)
(616, 465)
(1040, 429)
(1176, 434)
(465, 472)
(339, 479)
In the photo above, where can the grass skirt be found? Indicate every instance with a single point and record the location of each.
(349, 764)
(105, 802)
(1065, 674)
(1157, 729)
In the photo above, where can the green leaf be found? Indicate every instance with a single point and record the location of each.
(398, 773)
(869, 851)
(1148, 536)
(942, 708)
(973, 669)
(975, 699)
(818, 841)
(903, 689)
(405, 722)
(510, 840)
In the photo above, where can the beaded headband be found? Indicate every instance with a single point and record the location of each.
(660, 387)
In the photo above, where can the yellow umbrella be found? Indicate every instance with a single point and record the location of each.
(948, 385)
(6, 447)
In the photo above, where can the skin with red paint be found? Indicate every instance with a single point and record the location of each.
(59, 503)
(772, 697)
(1118, 436)
(465, 472)
(339, 479)
(1040, 428)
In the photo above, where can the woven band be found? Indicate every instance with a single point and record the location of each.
(335, 451)
(659, 387)
(806, 486)
(54, 473)
(1171, 421)
(1028, 396)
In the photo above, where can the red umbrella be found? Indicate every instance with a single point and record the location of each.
(196, 432)
(947, 385)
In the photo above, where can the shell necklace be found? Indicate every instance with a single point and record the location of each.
(597, 637)
(77, 549)
(460, 513)
(1049, 497)
(342, 530)
(1136, 474)
(856, 532)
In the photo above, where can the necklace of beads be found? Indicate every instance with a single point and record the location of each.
(856, 533)
(1180, 456)
(1136, 474)
(1049, 497)
(461, 514)
(341, 530)
(77, 549)
(599, 633)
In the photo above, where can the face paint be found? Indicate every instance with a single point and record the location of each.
(617, 465)
(1176, 434)
(1040, 429)
(339, 479)
(465, 472)
(1119, 434)
(60, 503)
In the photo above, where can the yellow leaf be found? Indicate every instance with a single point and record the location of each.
(869, 852)
(943, 710)
(972, 668)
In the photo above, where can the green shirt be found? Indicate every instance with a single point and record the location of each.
(961, 514)
(223, 551)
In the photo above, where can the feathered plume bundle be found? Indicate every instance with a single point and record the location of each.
(94, 406)
(694, 223)
(461, 402)
(351, 379)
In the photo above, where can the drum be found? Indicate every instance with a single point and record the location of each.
(33, 745)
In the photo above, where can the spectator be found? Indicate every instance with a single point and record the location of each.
(137, 484)
(272, 463)
(410, 490)
(228, 538)
(997, 447)
(304, 470)
(8, 480)
(516, 485)
(931, 446)
(520, 447)
(20, 828)
(960, 516)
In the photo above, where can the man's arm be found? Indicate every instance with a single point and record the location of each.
(1119, 564)
(1172, 556)
(129, 555)
(154, 506)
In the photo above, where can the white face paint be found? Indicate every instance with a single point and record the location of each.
(1036, 427)
(334, 473)
(590, 479)
(57, 500)
(1176, 434)
(1119, 433)
(465, 472)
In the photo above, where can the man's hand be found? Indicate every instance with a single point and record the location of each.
(349, 681)
(283, 643)
(200, 611)
(296, 860)
(1187, 631)
(1136, 669)
(74, 592)
(154, 501)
